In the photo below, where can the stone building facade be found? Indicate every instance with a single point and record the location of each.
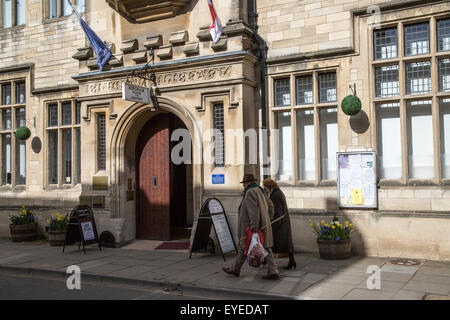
(281, 68)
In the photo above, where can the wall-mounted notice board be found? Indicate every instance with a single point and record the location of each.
(357, 179)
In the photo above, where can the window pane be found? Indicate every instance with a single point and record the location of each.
(6, 94)
(78, 113)
(6, 159)
(443, 33)
(81, 5)
(20, 92)
(101, 140)
(417, 39)
(386, 81)
(7, 13)
(420, 139)
(20, 12)
(53, 8)
(66, 9)
(67, 113)
(77, 150)
(327, 87)
(385, 43)
(329, 142)
(219, 158)
(304, 88)
(6, 119)
(20, 117)
(53, 157)
(20, 162)
(418, 77)
(67, 155)
(306, 145)
(444, 115)
(282, 92)
(284, 146)
(389, 140)
(444, 75)
(52, 115)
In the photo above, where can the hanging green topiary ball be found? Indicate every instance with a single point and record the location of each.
(351, 105)
(23, 133)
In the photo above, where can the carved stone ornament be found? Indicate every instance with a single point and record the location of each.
(162, 80)
(181, 77)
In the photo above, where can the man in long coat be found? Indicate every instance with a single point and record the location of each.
(253, 212)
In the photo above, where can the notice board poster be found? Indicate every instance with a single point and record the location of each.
(357, 179)
(221, 227)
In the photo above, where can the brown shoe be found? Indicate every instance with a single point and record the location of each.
(274, 276)
(230, 271)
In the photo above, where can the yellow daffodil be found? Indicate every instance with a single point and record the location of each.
(322, 222)
(346, 222)
(350, 225)
(333, 227)
(326, 224)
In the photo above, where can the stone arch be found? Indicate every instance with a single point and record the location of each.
(130, 122)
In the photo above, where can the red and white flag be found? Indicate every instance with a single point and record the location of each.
(216, 28)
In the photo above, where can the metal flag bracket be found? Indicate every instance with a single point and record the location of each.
(141, 80)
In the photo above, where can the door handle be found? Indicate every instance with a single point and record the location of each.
(155, 182)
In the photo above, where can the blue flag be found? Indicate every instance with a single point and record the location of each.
(100, 48)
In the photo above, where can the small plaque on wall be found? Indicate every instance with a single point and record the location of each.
(99, 183)
(98, 202)
(85, 201)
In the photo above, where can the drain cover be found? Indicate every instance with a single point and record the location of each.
(405, 262)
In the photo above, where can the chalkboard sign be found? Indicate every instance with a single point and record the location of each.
(82, 228)
(213, 214)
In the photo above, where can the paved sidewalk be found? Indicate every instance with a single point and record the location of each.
(313, 279)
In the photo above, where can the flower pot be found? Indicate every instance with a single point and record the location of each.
(334, 250)
(56, 238)
(25, 232)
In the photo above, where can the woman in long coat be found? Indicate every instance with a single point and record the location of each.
(282, 233)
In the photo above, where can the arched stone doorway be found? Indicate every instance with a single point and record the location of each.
(123, 165)
(163, 188)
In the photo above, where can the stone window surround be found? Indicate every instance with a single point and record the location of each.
(293, 108)
(60, 15)
(402, 60)
(13, 106)
(100, 155)
(60, 128)
(13, 17)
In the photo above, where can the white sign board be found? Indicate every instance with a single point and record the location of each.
(357, 179)
(132, 92)
(214, 207)
(221, 226)
(88, 231)
(223, 232)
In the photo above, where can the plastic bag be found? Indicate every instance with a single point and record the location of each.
(256, 252)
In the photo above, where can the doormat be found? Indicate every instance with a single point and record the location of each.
(180, 245)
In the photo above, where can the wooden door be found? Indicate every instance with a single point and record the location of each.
(153, 180)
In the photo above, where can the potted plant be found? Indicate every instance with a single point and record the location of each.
(23, 226)
(333, 239)
(57, 229)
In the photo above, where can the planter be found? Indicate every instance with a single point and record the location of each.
(334, 250)
(56, 238)
(25, 232)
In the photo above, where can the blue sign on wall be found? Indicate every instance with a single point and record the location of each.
(218, 178)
